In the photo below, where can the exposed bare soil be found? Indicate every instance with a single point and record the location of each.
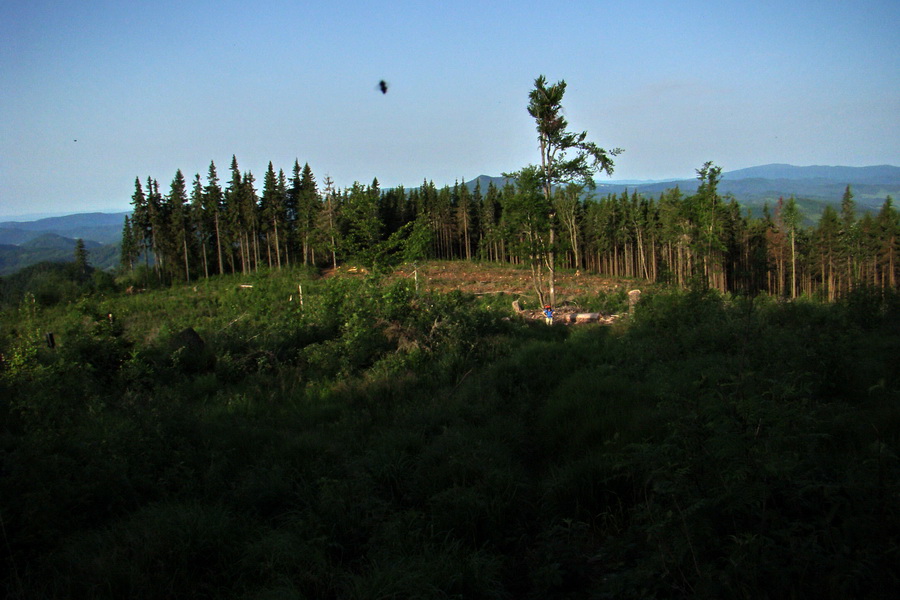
(484, 278)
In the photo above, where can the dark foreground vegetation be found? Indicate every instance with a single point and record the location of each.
(373, 442)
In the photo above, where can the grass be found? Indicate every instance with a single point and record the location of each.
(381, 442)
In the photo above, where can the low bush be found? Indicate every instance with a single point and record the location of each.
(376, 441)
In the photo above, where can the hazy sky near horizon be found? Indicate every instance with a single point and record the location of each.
(147, 88)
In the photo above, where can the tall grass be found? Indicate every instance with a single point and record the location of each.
(376, 442)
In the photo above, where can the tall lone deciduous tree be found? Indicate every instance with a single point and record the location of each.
(566, 156)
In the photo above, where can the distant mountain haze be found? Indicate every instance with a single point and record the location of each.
(881, 174)
(105, 228)
(755, 186)
(24, 243)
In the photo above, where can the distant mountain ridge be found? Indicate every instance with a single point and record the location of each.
(50, 247)
(815, 186)
(879, 174)
(24, 243)
(70, 222)
(105, 228)
(873, 175)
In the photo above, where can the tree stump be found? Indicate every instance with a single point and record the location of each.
(634, 297)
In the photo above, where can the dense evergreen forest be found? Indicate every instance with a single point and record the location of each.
(675, 238)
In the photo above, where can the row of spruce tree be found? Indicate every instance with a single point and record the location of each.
(675, 238)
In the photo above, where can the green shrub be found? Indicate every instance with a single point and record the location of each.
(182, 549)
(380, 442)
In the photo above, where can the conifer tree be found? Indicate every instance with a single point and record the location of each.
(159, 227)
(867, 249)
(391, 210)
(329, 219)
(130, 249)
(281, 192)
(361, 225)
(234, 217)
(212, 209)
(790, 218)
(428, 207)
(755, 255)
(292, 212)
(848, 236)
(706, 208)
(555, 141)
(272, 209)
(826, 242)
(888, 232)
(200, 222)
(477, 202)
(308, 206)
(180, 230)
(442, 211)
(464, 219)
(489, 217)
(250, 217)
(140, 220)
(81, 257)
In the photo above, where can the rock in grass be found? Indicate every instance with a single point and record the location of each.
(189, 353)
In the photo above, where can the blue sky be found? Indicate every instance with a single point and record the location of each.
(150, 87)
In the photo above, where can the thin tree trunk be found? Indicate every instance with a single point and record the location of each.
(277, 244)
(793, 265)
(187, 269)
(205, 262)
(552, 266)
(219, 246)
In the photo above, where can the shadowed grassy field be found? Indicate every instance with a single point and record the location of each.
(378, 441)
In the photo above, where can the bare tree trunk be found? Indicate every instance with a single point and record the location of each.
(551, 266)
(277, 244)
(793, 266)
(244, 255)
(256, 250)
(187, 270)
(219, 246)
(205, 263)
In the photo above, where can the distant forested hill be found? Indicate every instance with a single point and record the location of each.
(25, 243)
(50, 247)
(880, 174)
(105, 228)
